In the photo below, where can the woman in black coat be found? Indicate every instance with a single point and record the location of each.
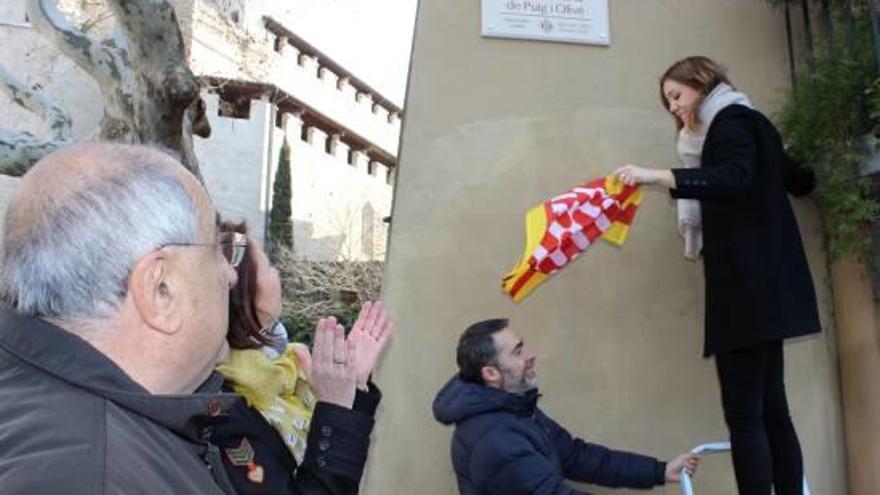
(758, 285)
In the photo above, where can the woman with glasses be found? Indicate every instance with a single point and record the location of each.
(290, 434)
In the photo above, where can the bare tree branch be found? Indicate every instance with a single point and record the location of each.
(197, 119)
(36, 100)
(150, 95)
(107, 63)
(187, 147)
(100, 61)
(96, 20)
(316, 289)
(19, 151)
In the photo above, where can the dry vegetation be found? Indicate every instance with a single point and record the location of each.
(314, 289)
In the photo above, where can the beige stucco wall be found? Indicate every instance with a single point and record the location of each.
(859, 344)
(496, 126)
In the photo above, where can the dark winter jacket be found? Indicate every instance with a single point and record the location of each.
(73, 422)
(336, 449)
(758, 285)
(503, 444)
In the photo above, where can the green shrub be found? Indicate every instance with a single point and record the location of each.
(824, 121)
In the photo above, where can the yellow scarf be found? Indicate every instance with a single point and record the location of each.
(278, 389)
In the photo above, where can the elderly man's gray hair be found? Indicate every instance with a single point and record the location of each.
(74, 260)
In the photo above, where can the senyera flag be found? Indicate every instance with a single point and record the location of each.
(560, 229)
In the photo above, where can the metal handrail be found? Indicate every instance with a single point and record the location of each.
(714, 448)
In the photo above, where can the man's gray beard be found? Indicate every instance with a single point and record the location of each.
(519, 385)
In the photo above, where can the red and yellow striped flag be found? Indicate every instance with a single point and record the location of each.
(560, 229)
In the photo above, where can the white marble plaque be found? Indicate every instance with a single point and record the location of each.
(567, 21)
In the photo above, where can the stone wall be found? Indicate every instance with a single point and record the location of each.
(339, 198)
(338, 205)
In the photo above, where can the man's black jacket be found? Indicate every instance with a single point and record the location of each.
(504, 444)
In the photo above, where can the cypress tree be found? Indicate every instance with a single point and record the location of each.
(280, 224)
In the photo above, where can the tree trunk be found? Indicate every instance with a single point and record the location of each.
(164, 87)
(150, 96)
(875, 23)
(792, 72)
(828, 27)
(849, 20)
(808, 33)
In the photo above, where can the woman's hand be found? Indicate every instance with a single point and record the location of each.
(267, 286)
(304, 355)
(333, 369)
(632, 175)
(369, 334)
(367, 338)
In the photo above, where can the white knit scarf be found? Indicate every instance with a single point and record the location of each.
(689, 149)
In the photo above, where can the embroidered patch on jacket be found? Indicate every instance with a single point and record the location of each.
(243, 456)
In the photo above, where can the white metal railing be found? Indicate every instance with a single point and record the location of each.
(714, 448)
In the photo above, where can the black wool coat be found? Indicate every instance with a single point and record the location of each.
(758, 284)
(336, 449)
(73, 422)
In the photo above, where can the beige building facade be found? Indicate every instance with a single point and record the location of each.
(497, 126)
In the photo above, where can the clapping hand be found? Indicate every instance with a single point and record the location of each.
(332, 367)
(337, 365)
(369, 334)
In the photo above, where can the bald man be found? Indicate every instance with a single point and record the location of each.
(116, 283)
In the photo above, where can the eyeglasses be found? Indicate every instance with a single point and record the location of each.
(232, 244)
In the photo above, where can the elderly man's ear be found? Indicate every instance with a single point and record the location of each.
(155, 293)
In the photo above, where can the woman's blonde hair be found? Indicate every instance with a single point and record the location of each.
(698, 72)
